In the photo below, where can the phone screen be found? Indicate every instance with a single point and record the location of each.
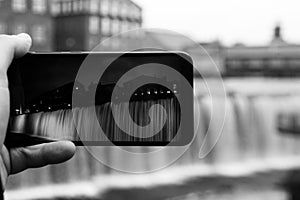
(103, 98)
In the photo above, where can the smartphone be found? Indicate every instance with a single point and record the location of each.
(101, 98)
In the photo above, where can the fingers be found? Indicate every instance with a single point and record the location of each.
(23, 44)
(11, 47)
(40, 155)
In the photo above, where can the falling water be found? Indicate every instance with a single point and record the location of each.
(79, 123)
(250, 139)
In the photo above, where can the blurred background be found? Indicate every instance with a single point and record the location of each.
(256, 47)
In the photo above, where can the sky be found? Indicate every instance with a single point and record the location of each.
(231, 21)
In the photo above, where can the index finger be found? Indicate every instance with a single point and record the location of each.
(12, 46)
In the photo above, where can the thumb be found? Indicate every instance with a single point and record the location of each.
(40, 155)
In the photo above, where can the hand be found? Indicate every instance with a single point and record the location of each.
(18, 159)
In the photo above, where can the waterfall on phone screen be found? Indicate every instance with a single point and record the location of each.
(60, 124)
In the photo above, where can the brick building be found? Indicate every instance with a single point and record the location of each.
(33, 17)
(68, 24)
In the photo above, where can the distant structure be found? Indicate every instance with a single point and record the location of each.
(279, 58)
(82, 24)
(68, 24)
(277, 39)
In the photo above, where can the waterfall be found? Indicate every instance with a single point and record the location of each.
(249, 141)
(79, 123)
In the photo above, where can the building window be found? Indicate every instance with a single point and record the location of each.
(104, 7)
(135, 12)
(2, 28)
(105, 26)
(86, 5)
(39, 6)
(115, 8)
(94, 25)
(234, 64)
(80, 5)
(69, 7)
(276, 63)
(123, 10)
(94, 6)
(115, 26)
(75, 6)
(66, 7)
(131, 13)
(39, 34)
(294, 63)
(19, 28)
(55, 8)
(138, 13)
(19, 5)
(255, 64)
